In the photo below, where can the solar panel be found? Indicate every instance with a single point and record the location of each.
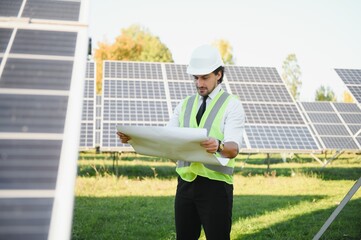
(87, 130)
(65, 10)
(180, 84)
(352, 80)
(132, 70)
(260, 92)
(43, 54)
(10, 8)
(271, 138)
(274, 122)
(269, 114)
(98, 119)
(137, 93)
(134, 89)
(252, 74)
(179, 90)
(177, 72)
(355, 91)
(334, 124)
(134, 93)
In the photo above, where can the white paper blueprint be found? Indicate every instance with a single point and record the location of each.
(171, 142)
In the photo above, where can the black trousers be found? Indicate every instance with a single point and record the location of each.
(206, 203)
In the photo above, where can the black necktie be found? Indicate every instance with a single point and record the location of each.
(202, 109)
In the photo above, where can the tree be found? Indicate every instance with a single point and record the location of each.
(135, 43)
(325, 94)
(291, 75)
(347, 97)
(226, 51)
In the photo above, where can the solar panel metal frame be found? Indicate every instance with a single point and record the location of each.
(57, 203)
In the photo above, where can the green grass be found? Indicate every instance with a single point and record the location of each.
(288, 201)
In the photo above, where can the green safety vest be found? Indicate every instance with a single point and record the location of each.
(211, 120)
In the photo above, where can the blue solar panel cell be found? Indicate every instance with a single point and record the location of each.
(29, 164)
(351, 118)
(87, 135)
(64, 10)
(180, 90)
(89, 89)
(350, 76)
(280, 137)
(356, 92)
(272, 113)
(90, 70)
(5, 34)
(347, 107)
(37, 74)
(10, 8)
(132, 70)
(318, 107)
(324, 118)
(134, 89)
(334, 123)
(44, 43)
(339, 143)
(178, 72)
(88, 110)
(252, 74)
(355, 128)
(25, 218)
(331, 130)
(32, 113)
(261, 92)
(135, 111)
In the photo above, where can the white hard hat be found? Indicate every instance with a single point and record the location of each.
(204, 60)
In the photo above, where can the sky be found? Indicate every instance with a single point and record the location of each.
(324, 34)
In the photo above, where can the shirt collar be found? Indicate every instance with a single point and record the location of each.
(213, 93)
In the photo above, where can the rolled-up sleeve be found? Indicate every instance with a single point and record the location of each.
(174, 119)
(234, 122)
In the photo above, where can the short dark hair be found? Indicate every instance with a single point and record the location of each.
(220, 68)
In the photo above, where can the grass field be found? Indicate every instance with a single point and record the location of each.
(285, 200)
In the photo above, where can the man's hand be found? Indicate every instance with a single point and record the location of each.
(123, 138)
(211, 145)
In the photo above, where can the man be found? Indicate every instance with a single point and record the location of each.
(205, 192)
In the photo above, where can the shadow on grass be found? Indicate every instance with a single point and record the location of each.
(166, 172)
(334, 173)
(134, 171)
(346, 226)
(153, 217)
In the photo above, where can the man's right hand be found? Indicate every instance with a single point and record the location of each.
(123, 138)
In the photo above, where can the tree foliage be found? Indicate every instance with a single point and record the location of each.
(291, 75)
(347, 97)
(325, 94)
(135, 43)
(226, 51)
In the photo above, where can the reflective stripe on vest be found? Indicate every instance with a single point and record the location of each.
(208, 124)
(188, 111)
